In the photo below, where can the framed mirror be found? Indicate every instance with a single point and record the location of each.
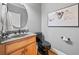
(17, 15)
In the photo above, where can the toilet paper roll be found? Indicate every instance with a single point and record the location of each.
(65, 39)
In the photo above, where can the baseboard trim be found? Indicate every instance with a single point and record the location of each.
(58, 52)
(52, 51)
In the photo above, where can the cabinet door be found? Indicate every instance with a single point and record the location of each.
(31, 49)
(18, 52)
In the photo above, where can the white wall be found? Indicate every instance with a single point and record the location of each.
(53, 34)
(34, 16)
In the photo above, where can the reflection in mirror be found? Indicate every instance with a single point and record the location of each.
(0, 17)
(3, 18)
(17, 15)
(13, 19)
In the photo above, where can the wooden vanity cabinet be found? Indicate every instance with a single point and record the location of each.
(18, 52)
(23, 46)
(30, 50)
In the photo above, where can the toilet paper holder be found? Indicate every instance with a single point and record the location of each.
(65, 38)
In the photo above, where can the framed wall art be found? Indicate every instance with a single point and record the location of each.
(64, 17)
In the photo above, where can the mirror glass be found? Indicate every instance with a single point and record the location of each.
(15, 18)
(17, 15)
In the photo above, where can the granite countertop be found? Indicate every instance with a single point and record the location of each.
(18, 38)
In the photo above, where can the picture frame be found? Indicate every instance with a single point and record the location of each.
(65, 17)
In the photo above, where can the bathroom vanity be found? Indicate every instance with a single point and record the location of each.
(14, 39)
(25, 45)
